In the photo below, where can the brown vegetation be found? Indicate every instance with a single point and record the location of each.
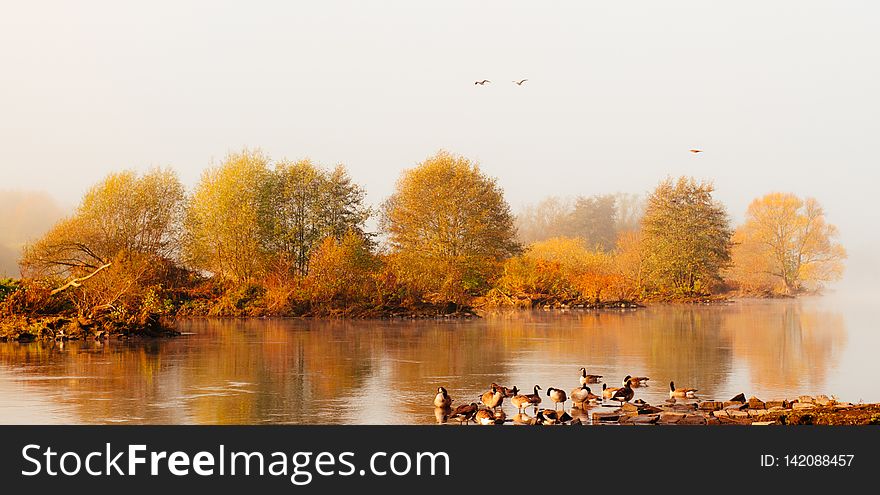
(259, 238)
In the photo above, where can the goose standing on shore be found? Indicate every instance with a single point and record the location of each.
(493, 398)
(465, 412)
(624, 394)
(557, 396)
(442, 399)
(608, 392)
(583, 395)
(523, 401)
(639, 381)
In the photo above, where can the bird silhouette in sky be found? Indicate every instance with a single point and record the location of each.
(520, 83)
(695, 151)
(484, 81)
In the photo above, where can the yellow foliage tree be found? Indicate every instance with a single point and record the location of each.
(226, 219)
(786, 245)
(449, 227)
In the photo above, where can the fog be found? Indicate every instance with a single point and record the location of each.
(780, 96)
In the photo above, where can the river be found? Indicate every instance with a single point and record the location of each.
(252, 371)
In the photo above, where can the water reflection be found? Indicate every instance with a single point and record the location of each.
(362, 372)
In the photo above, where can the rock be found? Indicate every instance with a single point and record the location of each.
(823, 400)
(770, 404)
(731, 403)
(645, 419)
(649, 409)
(629, 408)
(806, 399)
(734, 413)
(710, 406)
(693, 419)
(755, 403)
(671, 418)
(757, 412)
(720, 414)
(738, 398)
(762, 423)
(734, 406)
(605, 417)
(799, 406)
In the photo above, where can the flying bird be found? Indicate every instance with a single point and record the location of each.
(695, 151)
(520, 83)
(484, 81)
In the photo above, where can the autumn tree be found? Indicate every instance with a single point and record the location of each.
(448, 226)
(543, 220)
(309, 204)
(594, 219)
(341, 273)
(124, 236)
(228, 220)
(686, 235)
(786, 245)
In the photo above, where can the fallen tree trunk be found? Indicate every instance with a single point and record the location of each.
(78, 281)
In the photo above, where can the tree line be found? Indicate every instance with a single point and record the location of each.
(257, 237)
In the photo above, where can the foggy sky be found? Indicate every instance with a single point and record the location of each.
(782, 96)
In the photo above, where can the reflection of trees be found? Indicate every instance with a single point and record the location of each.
(787, 345)
(276, 370)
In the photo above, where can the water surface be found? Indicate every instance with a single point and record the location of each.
(386, 372)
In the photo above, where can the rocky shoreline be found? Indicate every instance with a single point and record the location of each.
(805, 410)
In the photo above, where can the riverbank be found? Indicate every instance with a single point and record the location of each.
(61, 328)
(805, 410)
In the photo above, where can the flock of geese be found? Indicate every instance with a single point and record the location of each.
(484, 81)
(488, 412)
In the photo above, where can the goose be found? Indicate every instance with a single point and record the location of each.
(484, 81)
(585, 378)
(695, 151)
(442, 399)
(487, 417)
(520, 82)
(624, 394)
(639, 380)
(547, 417)
(608, 392)
(557, 396)
(680, 393)
(465, 412)
(521, 401)
(582, 395)
(493, 398)
(508, 392)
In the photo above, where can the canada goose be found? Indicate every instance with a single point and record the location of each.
(680, 393)
(695, 151)
(521, 401)
(493, 398)
(442, 399)
(558, 396)
(484, 81)
(547, 417)
(508, 392)
(585, 378)
(465, 412)
(487, 417)
(608, 392)
(520, 83)
(624, 394)
(582, 395)
(639, 380)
